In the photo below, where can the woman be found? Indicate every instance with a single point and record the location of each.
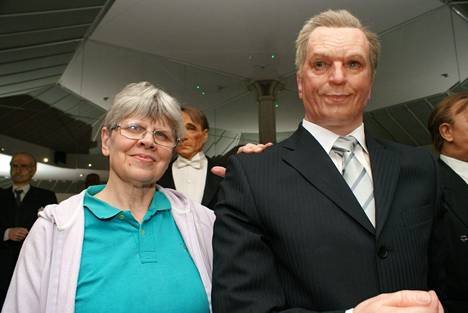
(129, 245)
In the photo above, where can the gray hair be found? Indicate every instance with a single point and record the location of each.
(146, 101)
(334, 19)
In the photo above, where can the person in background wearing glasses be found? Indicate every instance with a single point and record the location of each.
(19, 205)
(129, 245)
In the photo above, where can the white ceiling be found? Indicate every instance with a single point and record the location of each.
(223, 46)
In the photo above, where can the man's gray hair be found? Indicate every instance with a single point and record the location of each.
(334, 19)
(144, 100)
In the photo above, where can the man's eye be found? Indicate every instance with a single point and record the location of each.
(320, 65)
(354, 65)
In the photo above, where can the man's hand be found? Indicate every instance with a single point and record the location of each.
(17, 233)
(254, 148)
(405, 301)
(248, 148)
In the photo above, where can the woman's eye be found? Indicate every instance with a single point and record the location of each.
(162, 136)
(135, 128)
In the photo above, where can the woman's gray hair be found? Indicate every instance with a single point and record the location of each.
(144, 100)
(334, 19)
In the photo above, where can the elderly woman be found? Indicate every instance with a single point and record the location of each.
(129, 245)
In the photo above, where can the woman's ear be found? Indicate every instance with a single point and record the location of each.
(445, 131)
(105, 138)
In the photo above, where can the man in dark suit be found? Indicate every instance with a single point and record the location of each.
(190, 172)
(331, 216)
(448, 125)
(19, 205)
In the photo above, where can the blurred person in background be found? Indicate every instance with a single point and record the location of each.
(19, 206)
(448, 125)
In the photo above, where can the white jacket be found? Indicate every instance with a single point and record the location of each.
(46, 273)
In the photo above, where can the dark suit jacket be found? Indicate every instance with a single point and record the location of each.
(211, 185)
(11, 216)
(291, 237)
(451, 247)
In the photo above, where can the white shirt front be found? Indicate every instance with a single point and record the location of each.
(25, 189)
(188, 179)
(458, 166)
(327, 139)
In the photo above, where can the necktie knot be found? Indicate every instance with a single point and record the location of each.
(343, 145)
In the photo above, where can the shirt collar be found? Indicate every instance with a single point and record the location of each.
(103, 210)
(458, 166)
(25, 188)
(200, 156)
(327, 138)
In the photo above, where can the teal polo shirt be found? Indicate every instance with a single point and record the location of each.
(131, 267)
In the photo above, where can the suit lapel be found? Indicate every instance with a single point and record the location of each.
(455, 191)
(211, 185)
(385, 167)
(306, 155)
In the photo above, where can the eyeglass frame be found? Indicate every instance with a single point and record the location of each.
(118, 126)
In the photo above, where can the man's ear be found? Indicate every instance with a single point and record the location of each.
(105, 138)
(299, 84)
(445, 131)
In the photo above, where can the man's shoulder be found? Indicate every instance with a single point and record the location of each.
(41, 190)
(403, 149)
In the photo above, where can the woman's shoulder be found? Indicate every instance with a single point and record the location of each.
(180, 204)
(64, 213)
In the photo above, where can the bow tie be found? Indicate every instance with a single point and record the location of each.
(196, 164)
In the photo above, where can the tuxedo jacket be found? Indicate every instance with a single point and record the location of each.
(211, 184)
(291, 237)
(451, 248)
(12, 216)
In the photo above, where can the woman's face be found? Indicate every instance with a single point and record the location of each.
(139, 162)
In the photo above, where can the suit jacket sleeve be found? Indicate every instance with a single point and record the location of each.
(245, 279)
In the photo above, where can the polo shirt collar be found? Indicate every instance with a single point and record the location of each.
(103, 210)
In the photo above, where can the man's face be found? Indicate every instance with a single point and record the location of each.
(22, 169)
(458, 134)
(194, 139)
(336, 81)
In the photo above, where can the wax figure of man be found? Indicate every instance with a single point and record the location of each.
(331, 216)
(19, 206)
(448, 125)
(190, 172)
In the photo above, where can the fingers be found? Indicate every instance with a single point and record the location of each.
(17, 233)
(218, 171)
(402, 301)
(253, 148)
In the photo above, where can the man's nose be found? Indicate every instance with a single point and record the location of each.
(337, 74)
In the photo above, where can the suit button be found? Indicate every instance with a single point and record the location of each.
(383, 252)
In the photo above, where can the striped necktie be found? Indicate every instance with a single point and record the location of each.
(18, 193)
(356, 175)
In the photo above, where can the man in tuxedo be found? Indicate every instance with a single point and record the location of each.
(331, 219)
(190, 172)
(19, 205)
(448, 125)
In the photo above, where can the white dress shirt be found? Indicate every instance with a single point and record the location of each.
(190, 176)
(327, 139)
(458, 166)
